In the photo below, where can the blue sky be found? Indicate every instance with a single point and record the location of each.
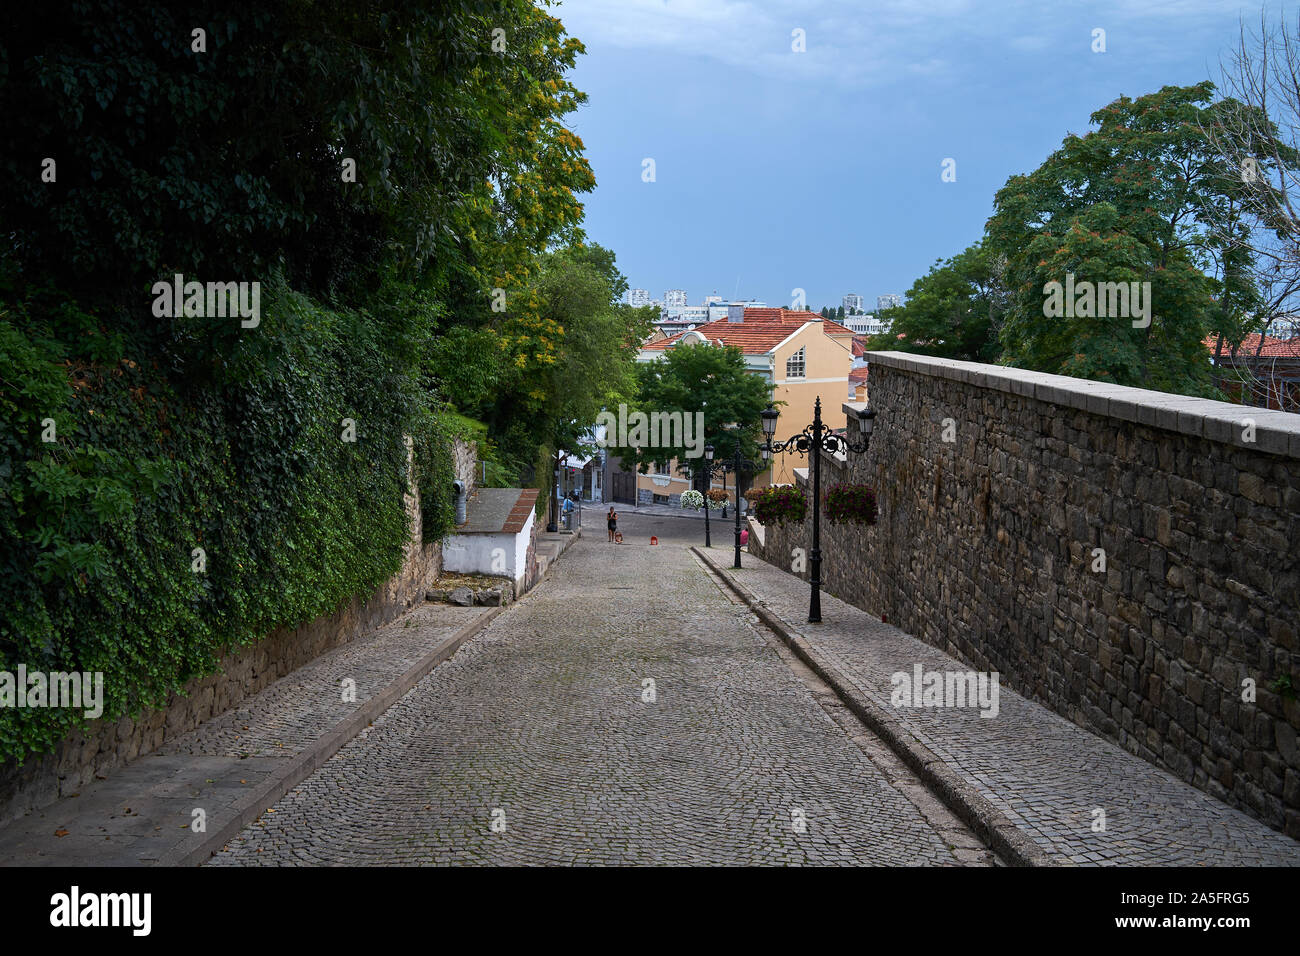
(821, 170)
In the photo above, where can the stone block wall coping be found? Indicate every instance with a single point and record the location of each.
(1276, 432)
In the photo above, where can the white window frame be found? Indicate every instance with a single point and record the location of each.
(800, 359)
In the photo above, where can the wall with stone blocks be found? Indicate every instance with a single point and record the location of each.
(104, 745)
(465, 463)
(986, 545)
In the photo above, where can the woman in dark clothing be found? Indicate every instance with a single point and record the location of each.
(611, 521)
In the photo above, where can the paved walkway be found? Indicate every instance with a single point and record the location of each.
(143, 813)
(543, 741)
(1045, 775)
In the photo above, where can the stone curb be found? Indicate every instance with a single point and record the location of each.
(989, 823)
(325, 747)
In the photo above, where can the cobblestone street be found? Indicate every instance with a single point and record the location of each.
(543, 741)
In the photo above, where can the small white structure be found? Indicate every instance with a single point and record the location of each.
(497, 537)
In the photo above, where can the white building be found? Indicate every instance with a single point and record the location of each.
(867, 324)
(715, 308)
(674, 298)
(638, 297)
(890, 301)
(852, 303)
(859, 323)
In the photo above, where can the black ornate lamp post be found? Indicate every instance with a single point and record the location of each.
(813, 440)
(708, 481)
(551, 526)
(737, 464)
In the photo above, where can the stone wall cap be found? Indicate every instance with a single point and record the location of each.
(1275, 432)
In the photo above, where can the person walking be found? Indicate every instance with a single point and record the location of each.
(611, 522)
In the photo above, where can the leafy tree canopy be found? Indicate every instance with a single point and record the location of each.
(705, 379)
(224, 162)
(1142, 198)
(953, 311)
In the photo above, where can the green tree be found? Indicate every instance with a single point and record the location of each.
(228, 162)
(1139, 199)
(708, 380)
(563, 349)
(953, 311)
(280, 451)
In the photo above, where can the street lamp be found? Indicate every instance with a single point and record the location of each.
(551, 526)
(737, 464)
(813, 440)
(708, 481)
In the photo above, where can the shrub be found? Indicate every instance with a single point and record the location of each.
(778, 504)
(693, 500)
(223, 442)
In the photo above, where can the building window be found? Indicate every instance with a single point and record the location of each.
(794, 365)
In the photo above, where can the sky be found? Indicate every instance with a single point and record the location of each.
(822, 170)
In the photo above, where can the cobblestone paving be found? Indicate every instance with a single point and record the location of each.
(535, 743)
(295, 710)
(1048, 775)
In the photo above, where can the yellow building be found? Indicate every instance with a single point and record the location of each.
(800, 354)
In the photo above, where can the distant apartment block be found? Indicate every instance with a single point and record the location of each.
(638, 297)
(674, 298)
(890, 301)
(866, 324)
(715, 308)
(852, 303)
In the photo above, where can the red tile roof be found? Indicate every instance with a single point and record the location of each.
(1273, 347)
(858, 375)
(762, 330)
(518, 516)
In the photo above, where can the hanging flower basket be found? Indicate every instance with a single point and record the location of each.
(718, 499)
(778, 504)
(692, 500)
(845, 503)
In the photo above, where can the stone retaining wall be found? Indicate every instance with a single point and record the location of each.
(987, 543)
(243, 672)
(465, 463)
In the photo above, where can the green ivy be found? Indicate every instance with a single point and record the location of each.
(224, 439)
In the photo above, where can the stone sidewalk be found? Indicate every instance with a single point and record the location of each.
(1033, 782)
(239, 762)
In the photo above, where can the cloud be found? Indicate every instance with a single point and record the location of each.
(855, 43)
(842, 39)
